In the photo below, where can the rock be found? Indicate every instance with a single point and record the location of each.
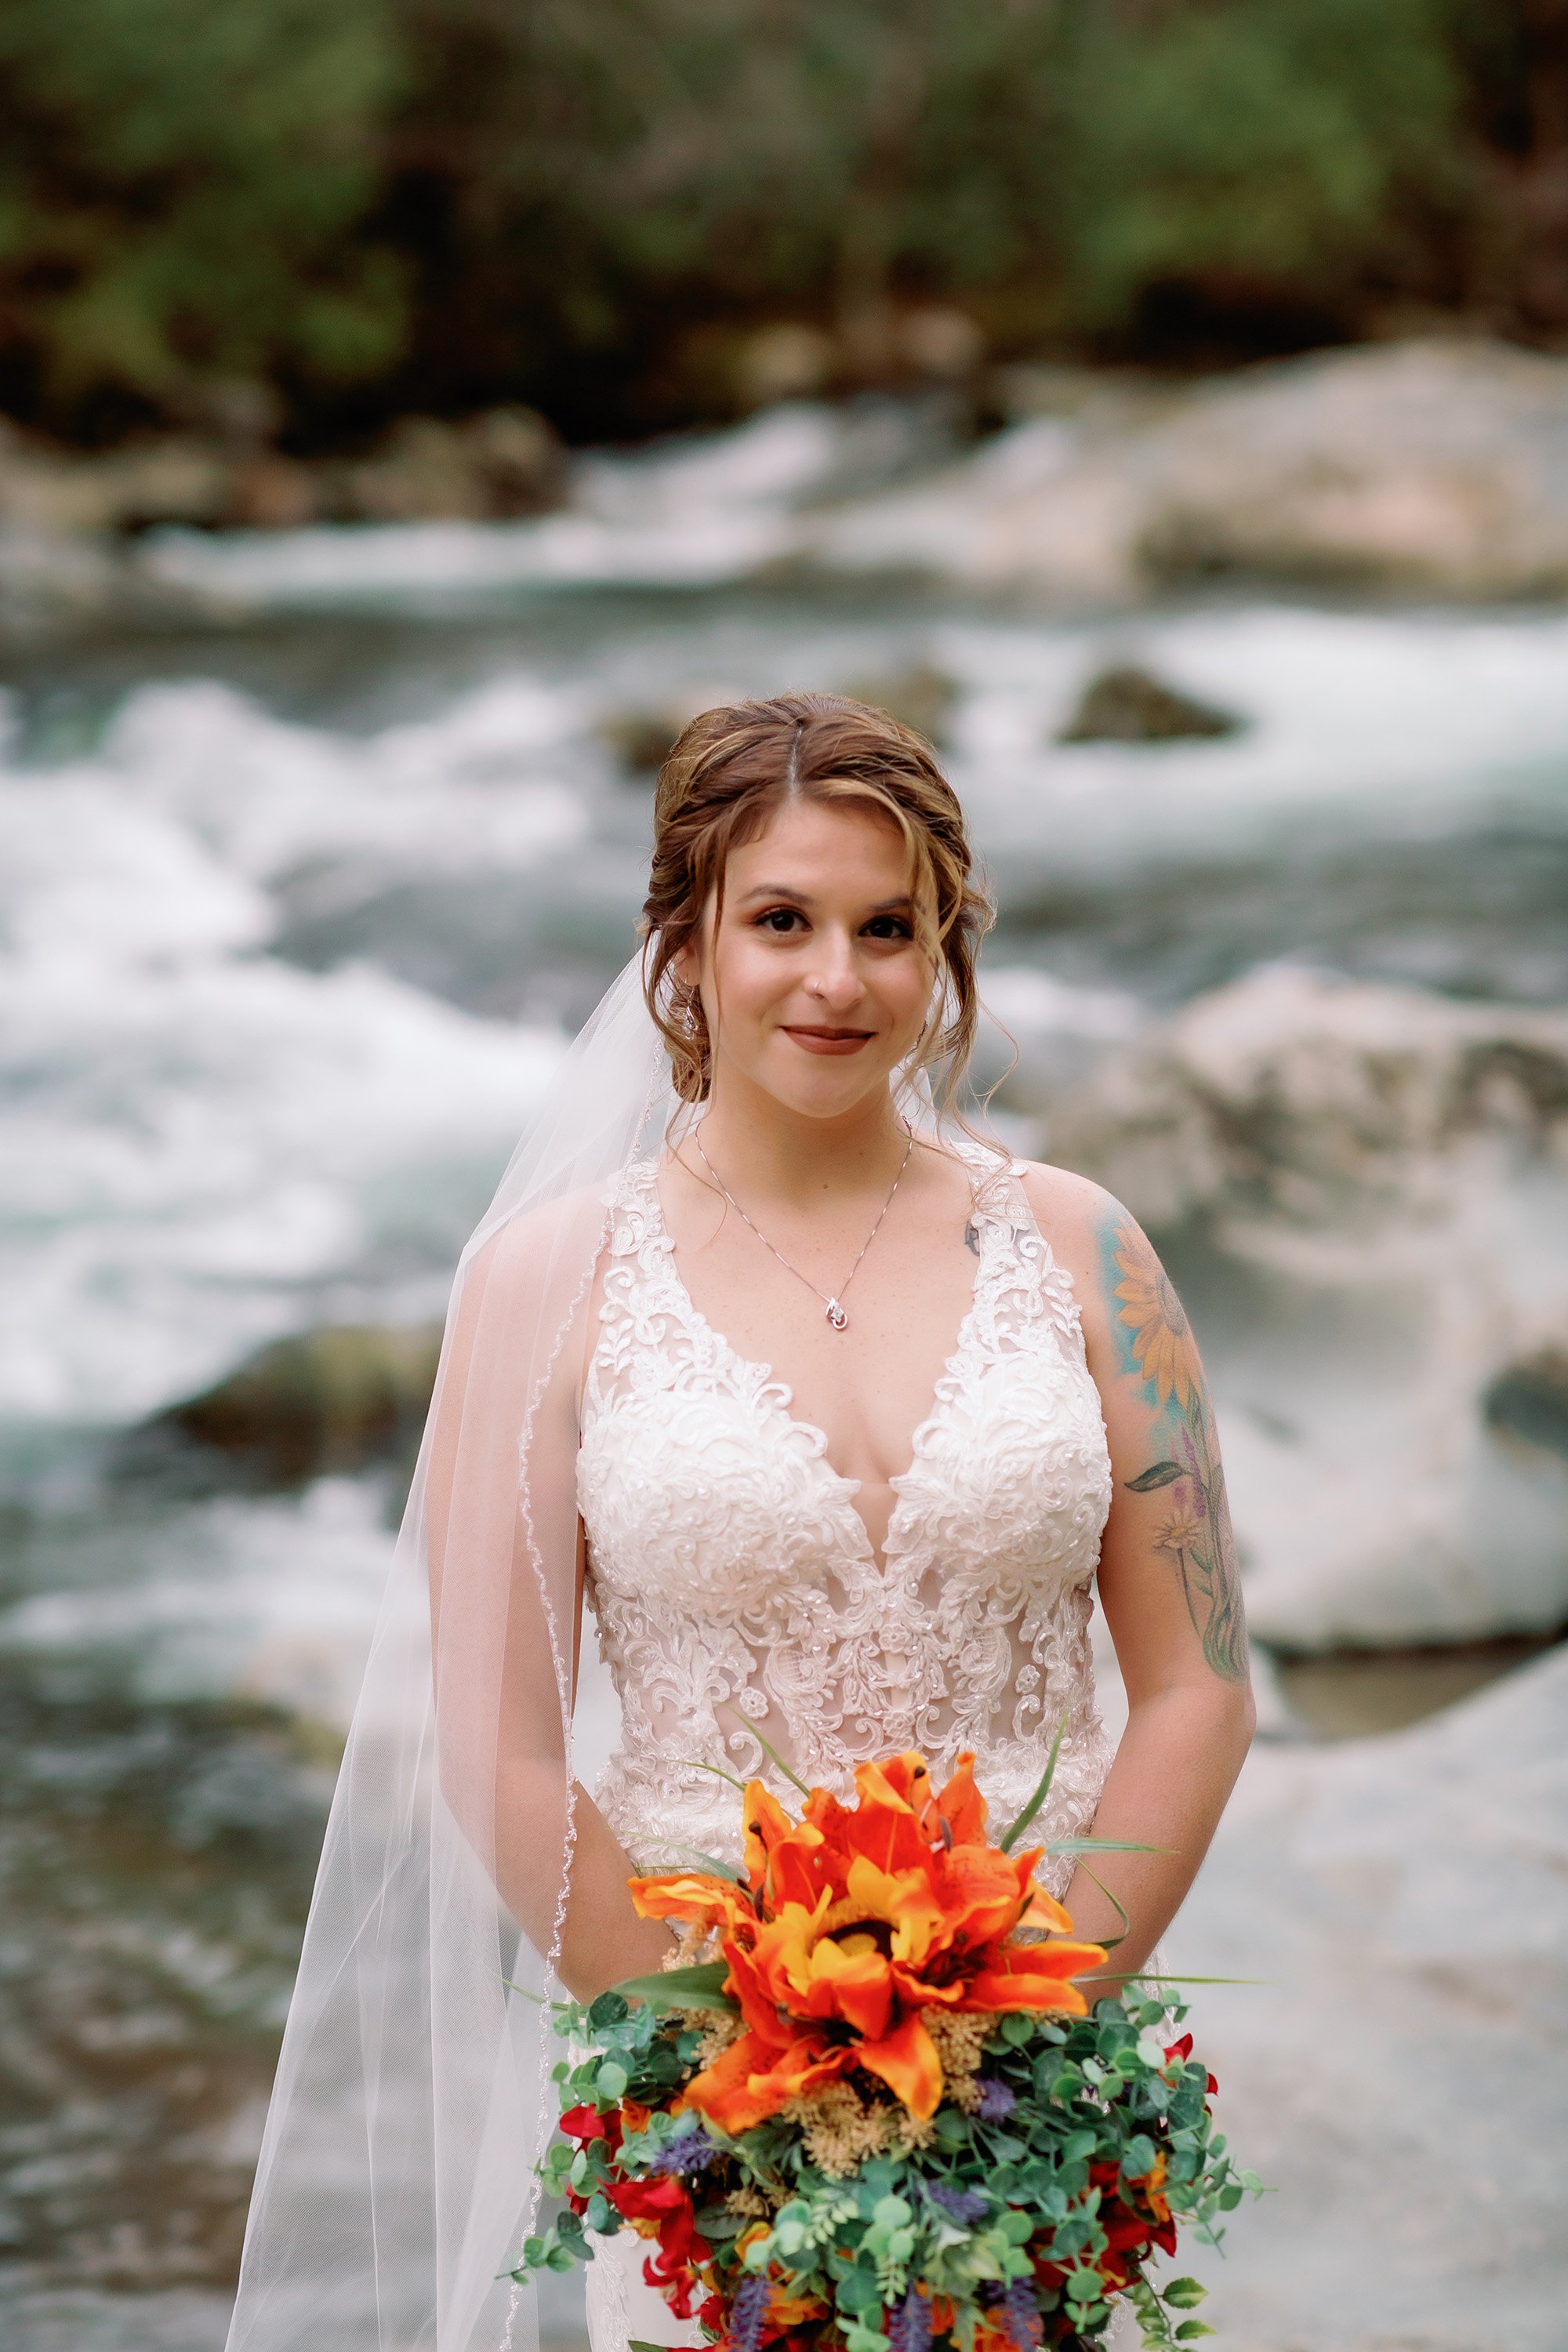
(643, 739)
(1396, 2077)
(518, 460)
(642, 736)
(271, 493)
(788, 361)
(922, 698)
(1436, 467)
(1532, 1399)
(493, 468)
(1377, 1180)
(940, 344)
(1126, 704)
(56, 492)
(331, 1400)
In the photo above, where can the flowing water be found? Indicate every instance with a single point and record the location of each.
(293, 918)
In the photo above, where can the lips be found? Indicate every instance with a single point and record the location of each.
(829, 1041)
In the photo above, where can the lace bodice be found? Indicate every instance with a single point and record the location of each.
(727, 1560)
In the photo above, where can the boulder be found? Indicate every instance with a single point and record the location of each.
(54, 492)
(642, 735)
(1432, 468)
(493, 468)
(1372, 1187)
(1126, 704)
(921, 697)
(331, 1400)
(1396, 2075)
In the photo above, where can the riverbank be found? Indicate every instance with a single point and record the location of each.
(1435, 468)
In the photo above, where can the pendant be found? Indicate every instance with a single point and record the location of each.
(836, 1315)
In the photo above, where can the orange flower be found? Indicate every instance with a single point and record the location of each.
(856, 1920)
(692, 1895)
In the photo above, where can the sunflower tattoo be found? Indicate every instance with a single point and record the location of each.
(1157, 1349)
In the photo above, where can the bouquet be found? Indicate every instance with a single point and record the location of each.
(867, 2109)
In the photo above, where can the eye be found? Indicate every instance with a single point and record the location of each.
(779, 919)
(889, 927)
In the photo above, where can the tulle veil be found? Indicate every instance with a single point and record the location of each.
(413, 2097)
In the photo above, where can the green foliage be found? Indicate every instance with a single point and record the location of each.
(1261, 144)
(179, 186)
(1098, 2112)
(456, 201)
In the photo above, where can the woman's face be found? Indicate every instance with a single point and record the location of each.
(812, 983)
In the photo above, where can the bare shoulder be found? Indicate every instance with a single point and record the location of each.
(1074, 1213)
(1095, 1239)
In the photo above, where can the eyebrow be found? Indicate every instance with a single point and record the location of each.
(805, 898)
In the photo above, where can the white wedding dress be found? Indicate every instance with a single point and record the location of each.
(727, 1562)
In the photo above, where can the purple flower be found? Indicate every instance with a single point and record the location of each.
(963, 2204)
(1021, 2315)
(909, 2324)
(747, 2310)
(995, 2100)
(690, 2152)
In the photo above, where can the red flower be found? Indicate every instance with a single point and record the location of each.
(662, 2209)
(1184, 2050)
(586, 2123)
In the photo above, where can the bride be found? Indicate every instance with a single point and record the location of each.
(833, 1415)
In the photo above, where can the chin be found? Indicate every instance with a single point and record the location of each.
(827, 1094)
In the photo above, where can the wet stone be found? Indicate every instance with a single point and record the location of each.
(1128, 705)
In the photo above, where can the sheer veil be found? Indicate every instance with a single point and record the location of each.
(413, 2097)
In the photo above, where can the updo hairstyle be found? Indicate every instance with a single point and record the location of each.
(718, 789)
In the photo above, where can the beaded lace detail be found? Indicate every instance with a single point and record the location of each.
(727, 1561)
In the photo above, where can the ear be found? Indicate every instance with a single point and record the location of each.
(686, 963)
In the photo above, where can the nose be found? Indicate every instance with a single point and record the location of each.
(834, 980)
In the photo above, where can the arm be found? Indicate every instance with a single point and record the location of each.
(1168, 1583)
(506, 1562)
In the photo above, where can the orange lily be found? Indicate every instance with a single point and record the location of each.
(855, 1919)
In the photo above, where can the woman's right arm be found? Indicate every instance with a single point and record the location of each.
(506, 1582)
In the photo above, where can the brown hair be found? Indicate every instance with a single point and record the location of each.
(718, 789)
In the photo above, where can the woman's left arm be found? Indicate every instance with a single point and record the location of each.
(1168, 1583)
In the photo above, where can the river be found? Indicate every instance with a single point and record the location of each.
(296, 914)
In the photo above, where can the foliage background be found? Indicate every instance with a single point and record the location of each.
(441, 203)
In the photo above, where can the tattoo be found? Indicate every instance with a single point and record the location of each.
(972, 1237)
(1157, 1350)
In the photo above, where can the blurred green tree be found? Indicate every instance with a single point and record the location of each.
(180, 182)
(438, 204)
(1260, 154)
(586, 181)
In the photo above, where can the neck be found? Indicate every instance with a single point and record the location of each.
(763, 1150)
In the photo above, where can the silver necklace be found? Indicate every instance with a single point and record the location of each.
(836, 1313)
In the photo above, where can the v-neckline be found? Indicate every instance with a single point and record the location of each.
(780, 1394)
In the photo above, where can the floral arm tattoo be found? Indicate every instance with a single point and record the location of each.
(1155, 1345)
